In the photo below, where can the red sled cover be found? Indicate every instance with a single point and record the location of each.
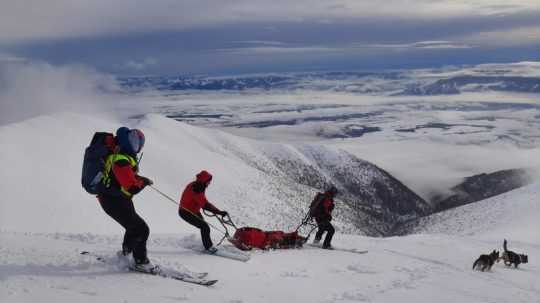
(247, 238)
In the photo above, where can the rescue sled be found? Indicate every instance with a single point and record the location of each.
(248, 238)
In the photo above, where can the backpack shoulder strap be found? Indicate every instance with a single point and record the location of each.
(315, 204)
(109, 162)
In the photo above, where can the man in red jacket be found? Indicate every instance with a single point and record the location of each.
(192, 201)
(122, 182)
(323, 215)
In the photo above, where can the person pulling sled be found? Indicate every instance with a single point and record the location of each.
(192, 201)
(321, 210)
(110, 171)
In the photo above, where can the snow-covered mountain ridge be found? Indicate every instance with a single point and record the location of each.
(267, 185)
(515, 77)
(511, 215)
(46, 219)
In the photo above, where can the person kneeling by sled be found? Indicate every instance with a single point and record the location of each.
(321, 209)
(193, 199)
(122, 182)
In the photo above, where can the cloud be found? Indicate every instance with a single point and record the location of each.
(265, 50)
(239, 36)
(29, 89)
(276, 48)
(56, 19)
(262, 42)
(422, 45)
(7, 58)
(133, 65)
(529, 35)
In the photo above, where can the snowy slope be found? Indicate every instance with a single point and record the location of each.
(43, 180)
(422, 268)
(46, 219)
(512, 215)
(253, 180)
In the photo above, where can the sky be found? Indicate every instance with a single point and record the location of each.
(167, 37)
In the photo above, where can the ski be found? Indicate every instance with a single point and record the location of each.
(173, 274)
(119, 260)
(195, 274)
(350, 250)
(126, 262)
(229, 254)
(185, 276)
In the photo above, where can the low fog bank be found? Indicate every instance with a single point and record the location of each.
(29, 89)
(432, 168)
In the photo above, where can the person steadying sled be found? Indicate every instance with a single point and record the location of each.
(321, 209)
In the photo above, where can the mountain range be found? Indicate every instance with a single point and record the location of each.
(523, 77)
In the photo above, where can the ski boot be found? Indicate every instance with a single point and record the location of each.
(145, 265)
(329, 247)
(211, 250)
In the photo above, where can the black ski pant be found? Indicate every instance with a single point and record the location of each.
(197, 221)
(122, 211)
(324, 226)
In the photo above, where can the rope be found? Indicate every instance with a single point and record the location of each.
(307, 221)
(226, 233)
(225, 221)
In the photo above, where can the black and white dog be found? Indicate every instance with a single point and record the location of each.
(509, 257)
(484, 262)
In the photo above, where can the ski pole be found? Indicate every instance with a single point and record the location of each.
(173, 201)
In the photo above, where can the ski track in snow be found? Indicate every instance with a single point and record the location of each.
(420, 268)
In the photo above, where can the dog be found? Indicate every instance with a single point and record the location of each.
(484, 262)
(509, 257)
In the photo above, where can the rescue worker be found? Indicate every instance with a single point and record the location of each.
(122, 182)
(323, 205)
(192, 201)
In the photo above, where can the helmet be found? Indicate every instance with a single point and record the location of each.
(130, 140)
(136, 140)
(332, 190)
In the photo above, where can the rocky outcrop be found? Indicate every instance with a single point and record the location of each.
(374, 201)
(482, 186)
(473, 189)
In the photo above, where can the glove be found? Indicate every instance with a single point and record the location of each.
(147, 181)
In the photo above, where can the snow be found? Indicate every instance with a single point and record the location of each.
(420, 268)
(510, 215)
(174, 153)
(46, 219)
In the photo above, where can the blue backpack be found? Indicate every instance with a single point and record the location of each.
(93, 167)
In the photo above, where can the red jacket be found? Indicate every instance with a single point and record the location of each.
(127, 178)
(193, 201)
(328, 205)
(124, 177)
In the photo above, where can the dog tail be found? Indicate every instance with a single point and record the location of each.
(504, 246)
